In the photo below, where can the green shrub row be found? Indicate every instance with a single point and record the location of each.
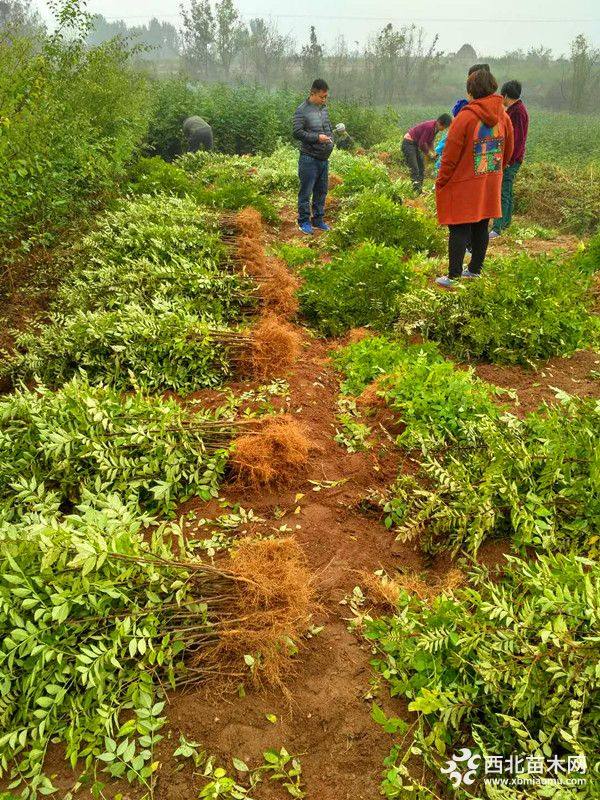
(355, 288)
(502, 667)
(523, 310)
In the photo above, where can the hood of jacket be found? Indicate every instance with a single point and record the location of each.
(489, 109)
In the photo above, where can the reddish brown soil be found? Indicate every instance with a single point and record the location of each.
(573, 375)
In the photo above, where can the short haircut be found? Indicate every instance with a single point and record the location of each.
(511, 89)
(481, 84)
(319, 85)
(445, 120)
(477, 67)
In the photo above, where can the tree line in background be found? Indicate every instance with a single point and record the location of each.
(396, 65)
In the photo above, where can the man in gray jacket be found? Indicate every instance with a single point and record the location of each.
(313, 129)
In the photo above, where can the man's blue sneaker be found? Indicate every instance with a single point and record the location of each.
(322, 226)
(494, 234)
(306, 227)
(468, 274)
(446, 282)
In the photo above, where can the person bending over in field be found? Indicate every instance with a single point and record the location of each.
(479, 146)
(313, 130)
(198, 134)
(418, 141)
(517, 111)
(342, 139)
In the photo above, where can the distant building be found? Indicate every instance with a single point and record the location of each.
(467, 54)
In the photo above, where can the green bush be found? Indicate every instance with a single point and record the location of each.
(296, 255)
(70, 121)
(501, 667)
(588, 259)
(561, 197)
(56, 445)
(362, 174)
(378, 218)
(433, 399)
(156, 347)
(523, 309)
(534, 481)
(356, 288)
(365, 361)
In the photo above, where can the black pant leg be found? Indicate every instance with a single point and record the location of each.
(480, 238)
(457, 247)
(410, 151)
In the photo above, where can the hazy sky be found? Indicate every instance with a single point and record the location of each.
(491, 28)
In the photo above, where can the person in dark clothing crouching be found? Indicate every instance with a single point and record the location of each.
(312, 128)
(198, 134)
(418, 141)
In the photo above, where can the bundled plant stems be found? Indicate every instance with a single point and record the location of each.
(129, 616)
(277, 287)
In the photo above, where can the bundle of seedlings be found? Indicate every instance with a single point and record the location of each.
(528, 308)
(273, 454)
(158, 228)
(356, 288)
(277, 287)
(160, 346)
(429, 397)
(99, 617)
(204, 285)
(533, 481)
(507, 664)
(155, 454)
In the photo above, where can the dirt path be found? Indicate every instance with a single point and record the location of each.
(325, 717)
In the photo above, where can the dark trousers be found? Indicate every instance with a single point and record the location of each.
(508, 185)
(314, 182)
(414, 160)
(201, 139)
(479, 236)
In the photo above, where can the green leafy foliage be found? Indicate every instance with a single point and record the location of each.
(431, 398)
(361, 174)
(296, 255)
(56, 445)
(225, 191)
(154, 248)
(434, 399)
(71, 118)
(564, 197)
(91, 617)
(502, 667)
(160, 346)
(534, 481)
(524, 309)
(588, 259)
(355, 288)
(378, 218)
(365, 361)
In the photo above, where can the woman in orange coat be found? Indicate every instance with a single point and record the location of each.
(469, 183)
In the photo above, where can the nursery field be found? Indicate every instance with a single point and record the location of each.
(279, 517)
